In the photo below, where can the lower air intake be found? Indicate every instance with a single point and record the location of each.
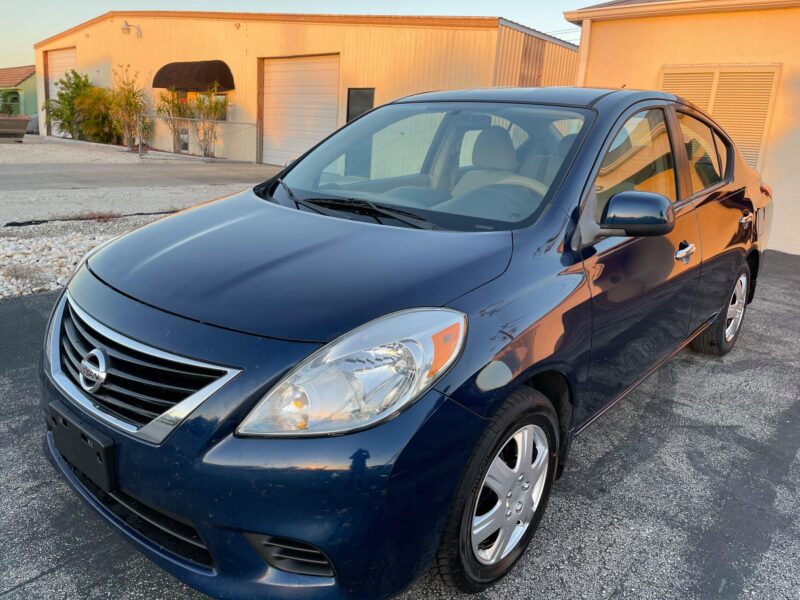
(291, 556)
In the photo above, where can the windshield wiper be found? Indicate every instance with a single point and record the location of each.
(300, 202)
(347, 204)
(404, 216)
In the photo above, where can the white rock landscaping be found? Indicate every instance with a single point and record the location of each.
(40, 258)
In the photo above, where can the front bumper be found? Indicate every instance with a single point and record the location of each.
(373, 501)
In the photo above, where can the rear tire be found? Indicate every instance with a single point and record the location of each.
(509, 500)
(721, 336)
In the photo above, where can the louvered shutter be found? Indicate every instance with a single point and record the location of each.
(741, 105)
(694, 86)
(740, 98)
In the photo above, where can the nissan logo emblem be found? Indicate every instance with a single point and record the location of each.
(92, 372)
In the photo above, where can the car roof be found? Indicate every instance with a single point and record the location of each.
(573, 96)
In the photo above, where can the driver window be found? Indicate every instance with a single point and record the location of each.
(640, 158)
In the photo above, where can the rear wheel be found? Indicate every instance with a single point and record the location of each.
(502, 495)
(721, 336)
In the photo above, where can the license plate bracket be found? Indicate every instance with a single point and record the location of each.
(89, 451)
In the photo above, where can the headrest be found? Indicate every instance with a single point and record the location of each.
(494, 150)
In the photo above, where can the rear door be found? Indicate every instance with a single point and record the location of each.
(724, 211)
(642, 293)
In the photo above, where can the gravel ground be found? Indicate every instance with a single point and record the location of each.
(40, 258)
(101, 186)
(36, 149)
(689, 489)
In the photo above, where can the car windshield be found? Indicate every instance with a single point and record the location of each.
(448, 165)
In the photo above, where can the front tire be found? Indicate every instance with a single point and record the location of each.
(721, 336)
(502, 495)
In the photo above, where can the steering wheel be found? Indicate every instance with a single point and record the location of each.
(526, 182)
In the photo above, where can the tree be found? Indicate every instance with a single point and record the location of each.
(61, 109)
(208, 109)
(127, 104)
(174, 107)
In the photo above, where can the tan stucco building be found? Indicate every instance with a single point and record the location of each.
(296, 75)
(737, 59)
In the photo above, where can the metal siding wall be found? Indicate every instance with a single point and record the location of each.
(530, 61)
(560, 66)
(510, 43)
(397, 60)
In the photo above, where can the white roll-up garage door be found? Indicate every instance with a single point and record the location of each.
(58, 63)
(301, 105)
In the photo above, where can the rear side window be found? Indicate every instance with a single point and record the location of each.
(724, 151)
(705, 170)
(640, 158)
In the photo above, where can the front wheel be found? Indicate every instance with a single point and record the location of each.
(721, 336)
(502, 495)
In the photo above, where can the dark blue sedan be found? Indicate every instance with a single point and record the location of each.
(375, 363)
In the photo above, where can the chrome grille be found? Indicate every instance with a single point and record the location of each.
(145, 389)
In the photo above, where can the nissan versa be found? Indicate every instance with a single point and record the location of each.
(374, 363)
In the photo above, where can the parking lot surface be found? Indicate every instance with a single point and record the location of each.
(59, 199)
(689, 489)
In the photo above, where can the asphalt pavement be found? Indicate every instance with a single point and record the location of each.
(690, 488)
(44, 176)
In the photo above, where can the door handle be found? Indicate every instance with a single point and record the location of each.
(685, 251)
(747, 218)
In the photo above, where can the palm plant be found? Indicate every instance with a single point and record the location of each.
(127, 105)
(208, 109)
(173, 106)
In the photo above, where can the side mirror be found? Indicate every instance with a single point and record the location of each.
(638, 214)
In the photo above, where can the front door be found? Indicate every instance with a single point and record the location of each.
(642, 288)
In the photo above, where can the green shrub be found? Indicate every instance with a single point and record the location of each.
(61, 109)
(93, 110)
(9, 103)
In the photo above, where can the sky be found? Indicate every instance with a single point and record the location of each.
(24, 24)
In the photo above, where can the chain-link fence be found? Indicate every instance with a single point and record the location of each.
(210, 140)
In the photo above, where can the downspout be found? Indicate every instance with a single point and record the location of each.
(583, 59)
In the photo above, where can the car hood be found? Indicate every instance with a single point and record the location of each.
(250, 265)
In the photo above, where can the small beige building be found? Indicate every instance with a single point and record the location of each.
(296, 78)
(737, 59)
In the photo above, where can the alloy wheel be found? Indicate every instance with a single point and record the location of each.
(736, 308)
(510, 494)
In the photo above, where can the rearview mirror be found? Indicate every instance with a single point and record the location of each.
(638, 214)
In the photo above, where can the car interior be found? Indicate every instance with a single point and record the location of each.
(496, 165)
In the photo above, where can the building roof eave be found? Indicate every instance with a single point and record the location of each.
(14, 77)
(387, 20)
(671, 7)
(537, 33)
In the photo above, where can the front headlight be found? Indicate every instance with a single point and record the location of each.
(362, 378)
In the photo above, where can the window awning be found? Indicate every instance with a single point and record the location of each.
(195, 76)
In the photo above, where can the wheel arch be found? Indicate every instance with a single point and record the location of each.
(555, 386)
(753, 260)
